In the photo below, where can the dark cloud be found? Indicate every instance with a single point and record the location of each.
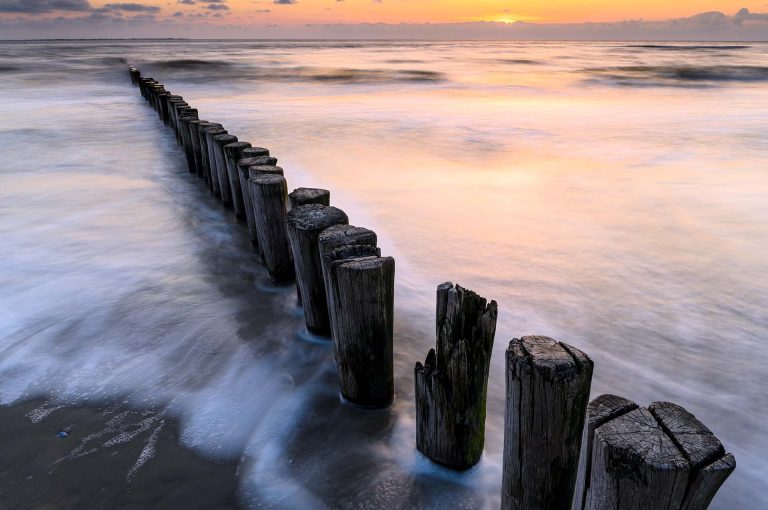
(131, 7)
(217, 7)
(38, 6)
(188, 2)
(285, 2)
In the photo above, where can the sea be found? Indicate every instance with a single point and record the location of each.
(610, 195)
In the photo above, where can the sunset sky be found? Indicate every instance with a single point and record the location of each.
(41, 18)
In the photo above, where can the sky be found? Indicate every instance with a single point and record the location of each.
(471, 19)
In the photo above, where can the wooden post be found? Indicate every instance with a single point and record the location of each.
(163, 111)
(135, 76)
(209, 133)
(304, 226)
(659, 457)
(194, 138)
(186, 140)
(233, 153)
(219, 141)
(203, 141)
(304, 196)
(173, 101)
(329, 240)
(452, 384)
(365, 292)
(269, 194)
(255, 152)
(144, 84)
(548, 386)
(244, 174)
(175, 113)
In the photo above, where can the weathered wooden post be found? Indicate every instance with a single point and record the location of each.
(233, 153)
(304, 226)
(244, 174)
(177, 109)
(548, 386)
(659, 457)
(193, 127)
(186, 141)
(365, 293)
(209, 133)
(144, 84)
(255, 152)
(219, 141)
(269, 195)
(304, 196)
(135, 76)
(163, 106)
(173, 101)
(202, 140)
(329, 240)
(452, 384)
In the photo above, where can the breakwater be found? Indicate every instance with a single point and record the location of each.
(547, 381)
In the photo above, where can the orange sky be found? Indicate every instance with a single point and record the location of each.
(441, 11)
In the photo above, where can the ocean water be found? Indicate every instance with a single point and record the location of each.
(610, 195)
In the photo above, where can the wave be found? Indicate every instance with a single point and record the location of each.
(190, 64)
(518, 61)
(684, 76)
(698, 47)
(9, 69)
(209, 71)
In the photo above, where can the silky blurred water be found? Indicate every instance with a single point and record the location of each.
(610, 195)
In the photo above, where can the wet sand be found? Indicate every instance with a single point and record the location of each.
(111, 458)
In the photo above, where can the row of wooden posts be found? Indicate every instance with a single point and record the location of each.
(560, 451)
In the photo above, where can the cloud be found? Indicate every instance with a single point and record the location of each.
(131, 7)
(217, 7)
(285, 2)
(38, 6)
(187, 2)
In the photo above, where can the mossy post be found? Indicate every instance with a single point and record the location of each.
(548, 386)
(365, 294)
(219, 141)
(304, 196)
(269, 196)
(305, 224)
(233, 153)
(659, 457)
(451, 386)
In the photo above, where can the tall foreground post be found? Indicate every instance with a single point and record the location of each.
(659, 457)
(365, 294)
(452, 384)
(304, 226)
(548, 386)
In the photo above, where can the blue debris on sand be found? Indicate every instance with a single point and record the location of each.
(62, 434)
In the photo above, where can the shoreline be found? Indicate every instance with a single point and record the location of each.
(112, 457)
